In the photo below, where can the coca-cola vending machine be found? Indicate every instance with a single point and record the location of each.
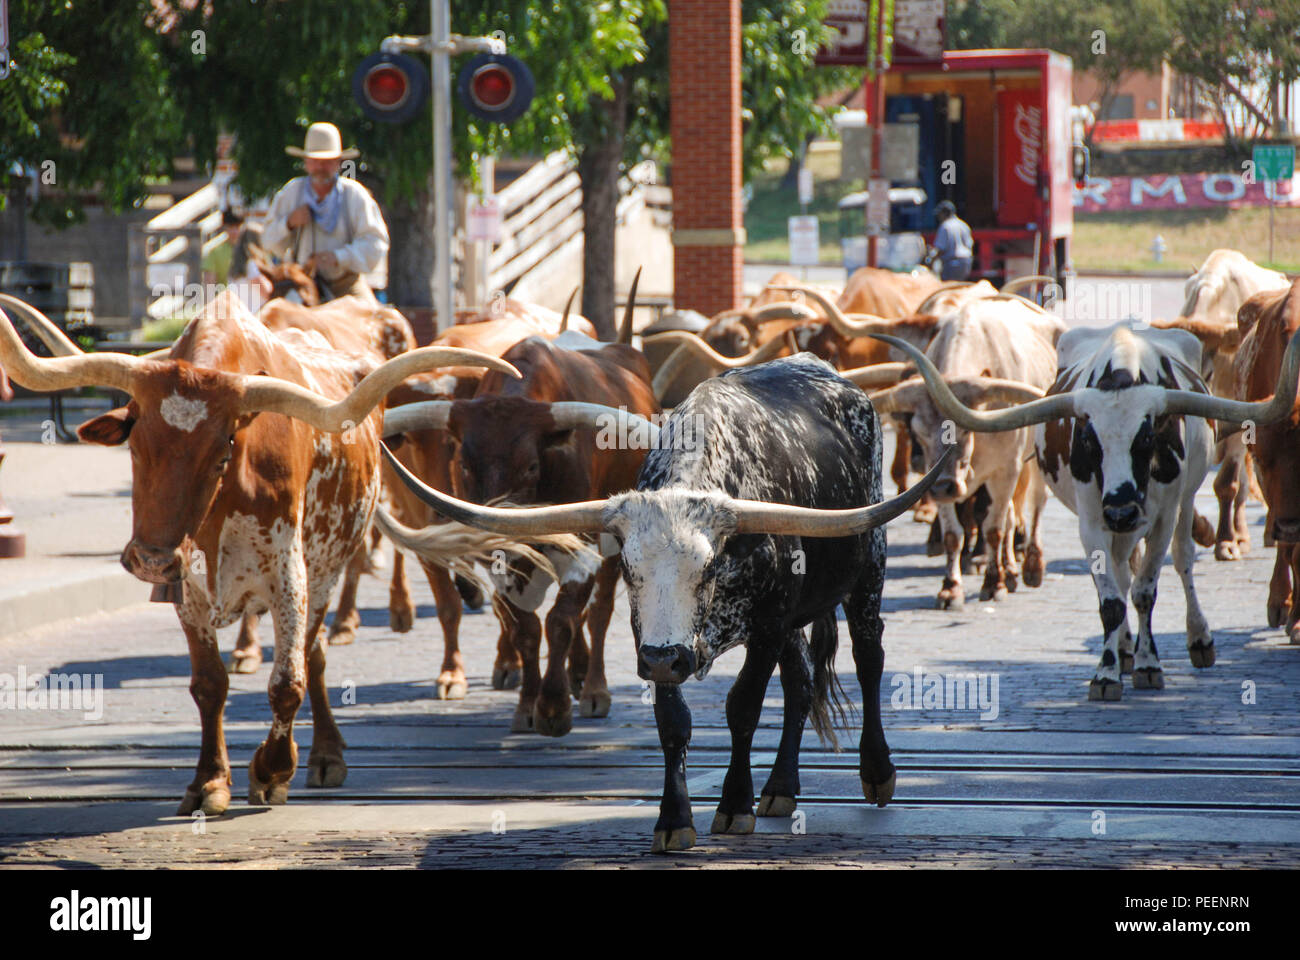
(1019, 157)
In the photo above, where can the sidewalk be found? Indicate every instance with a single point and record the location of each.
(73, 501)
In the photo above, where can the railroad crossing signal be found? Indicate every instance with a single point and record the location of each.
(391, 87)
(496, 87)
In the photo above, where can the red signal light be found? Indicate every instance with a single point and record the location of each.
(387, 86)
(492, 86)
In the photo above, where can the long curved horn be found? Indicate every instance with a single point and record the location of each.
(114, 370)
(995, 390)
(1053, 407)
(55, 339)
(571, 415)
(878, 375)
(625, 328)
(425, 415)
(1019, 282)
(520, 523)
(273, 395)
(568, 305)
(902, 398)
(786, 310)
(690, 343)
(1191, 403)
(862, 325)
(784, 520)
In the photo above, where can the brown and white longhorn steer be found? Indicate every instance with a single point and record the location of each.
(255, 470)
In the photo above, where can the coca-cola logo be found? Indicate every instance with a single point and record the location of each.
(1028, 128)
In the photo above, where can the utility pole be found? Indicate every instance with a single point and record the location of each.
(877, 119)
(441, 45)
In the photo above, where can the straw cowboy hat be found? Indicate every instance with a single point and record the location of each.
(323, 143)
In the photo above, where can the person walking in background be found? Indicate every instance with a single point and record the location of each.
(330, 220)
(953, 246)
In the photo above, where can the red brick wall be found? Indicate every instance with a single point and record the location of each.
(704, 85)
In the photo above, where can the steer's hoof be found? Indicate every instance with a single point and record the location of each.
(266, 794)
(506, 678)
(769, 806)
(1226, 550)
(1149, 678)
(1125, 663)
(666, 841)
(1202, 654)
(342, 637)
(950, 599)
(523, 720)
(1293, 635)
(241, 662)
(1276, 614)
(732, 823)
(1107, 691)
(552, 725)
(1012, 581)
(401, 619)
(994, 593)
(594, 704)
(452, 686)
(213, 800)
(880, 793)
(925, 512)
(326, 771)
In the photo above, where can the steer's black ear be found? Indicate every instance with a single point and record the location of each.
(109, 429)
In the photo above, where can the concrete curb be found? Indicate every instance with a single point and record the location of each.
(97, 592)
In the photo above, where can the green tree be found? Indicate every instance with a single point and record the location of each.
(86, 106)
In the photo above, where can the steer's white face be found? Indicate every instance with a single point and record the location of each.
(671, 542)
(1122, 423)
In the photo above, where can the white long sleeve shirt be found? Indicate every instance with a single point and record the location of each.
(359, 239)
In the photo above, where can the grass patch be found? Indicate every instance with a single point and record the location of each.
(771, 205)
(1122, 240)
(165, 330)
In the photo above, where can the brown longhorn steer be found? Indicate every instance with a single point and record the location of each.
(255, 470)
(1267, 322)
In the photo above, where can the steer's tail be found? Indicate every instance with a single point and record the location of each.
(828, 694)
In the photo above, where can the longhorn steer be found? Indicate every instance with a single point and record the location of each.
(1214, 294)
(1123, 441)
(245, 497)
(747, 525)
(1267, 321)
(992, 352)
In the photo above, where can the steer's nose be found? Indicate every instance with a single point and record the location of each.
(1121, 517)
(670, 664)
(151, 564)
(945, 489)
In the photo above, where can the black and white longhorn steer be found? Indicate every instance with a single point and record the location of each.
(1123, 439)
(747, 524)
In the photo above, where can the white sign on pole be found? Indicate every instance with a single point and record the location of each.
(878, 208)
(484, 219)
(805, 243)
(805, 184)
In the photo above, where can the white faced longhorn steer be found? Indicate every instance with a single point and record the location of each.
(1123, 439)
(744, 532)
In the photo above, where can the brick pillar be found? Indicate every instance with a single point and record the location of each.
(704, 89)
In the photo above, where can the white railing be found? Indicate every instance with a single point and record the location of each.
(167, 252)
(542, 215)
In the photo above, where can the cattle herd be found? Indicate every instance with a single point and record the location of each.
(728, 470)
